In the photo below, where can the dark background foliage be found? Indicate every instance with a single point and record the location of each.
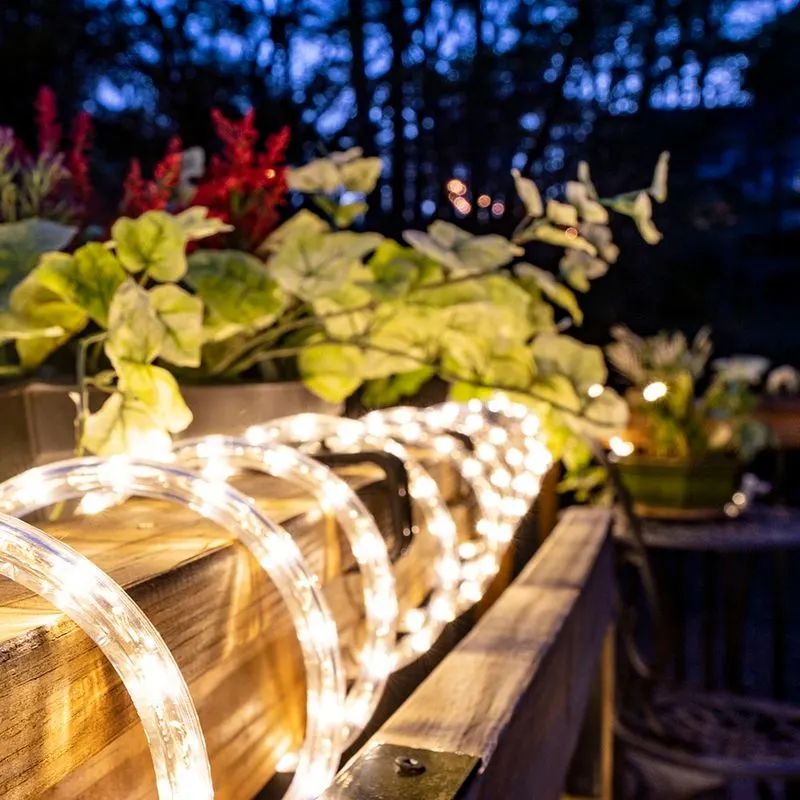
(468, 89)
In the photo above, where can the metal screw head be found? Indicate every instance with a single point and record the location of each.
(406, 765)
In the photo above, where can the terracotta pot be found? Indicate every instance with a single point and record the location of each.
(38, 418)
(680, 488)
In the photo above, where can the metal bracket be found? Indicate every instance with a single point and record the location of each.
(391, 772)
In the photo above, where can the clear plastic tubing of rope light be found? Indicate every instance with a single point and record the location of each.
(480, 561)
(271, 545)
(348, 435)
(100, 607)
(220, 457)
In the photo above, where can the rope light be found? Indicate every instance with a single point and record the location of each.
(100, 607)
(347, 435)
(219, 458)
(271, 545)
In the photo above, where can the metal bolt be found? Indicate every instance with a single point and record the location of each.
(406, 765)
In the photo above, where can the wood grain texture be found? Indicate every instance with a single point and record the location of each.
(68, 728)
(514, 691)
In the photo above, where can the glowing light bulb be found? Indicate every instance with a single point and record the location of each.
(595, 390)
(654, 391)
(620, 447)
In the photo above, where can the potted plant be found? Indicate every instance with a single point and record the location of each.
(684, 450)
(182, 295)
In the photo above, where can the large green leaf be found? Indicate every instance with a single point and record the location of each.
(562, 214)
(22, 243)
(122, 425)
(588, 209)
(236, 287)
(460, 251)
(556, 389)
(602, 416)
(579, 268)
(41, 307)
(510, 366)
(88, 279)
(543, 231)
(15, 328)
(637, 206)
(334, 308)
(299, 226)
(554, 291)
(135, 333)
(182, 317)
(401, 339)
(194, 223)
(158, 390)
(583, 365)
(321, 175)
(318, 265)
(361, 174)
(154, 243)
(331, 371)
(383, 392)
(529, 194)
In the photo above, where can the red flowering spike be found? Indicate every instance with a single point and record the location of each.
(77, 162)
(47, 121)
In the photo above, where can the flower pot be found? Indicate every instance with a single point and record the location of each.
(38, 418)
(782, 415)
(669, 488)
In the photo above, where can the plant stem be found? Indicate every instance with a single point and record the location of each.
(83, 386)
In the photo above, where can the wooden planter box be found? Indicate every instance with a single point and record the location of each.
(38, 418)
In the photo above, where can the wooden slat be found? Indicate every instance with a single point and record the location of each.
(68, 729)
(514, 691)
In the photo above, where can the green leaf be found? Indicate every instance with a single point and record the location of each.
(15, 328)
(588, 209)
(406, 337)
(154, 242)
(550, 234)
(321, 175)
(122, 425)
(658, 188)
(583, 365)
(194, 223)
(460, 251)
(529, 194)
(554, 291)
(463, 392)
(22, 243)
(556, 389)
(510, 366)
(639, 208)
(585, 178)
(383, 392)
(361, 175)
(40, 307)
(318, 265)
(338, 323)
(181, 314)
(331, 371)
(578, 269)
(562, 214)
(236, 288)
(88, 279)
(346, 215)
(299, 226)
(602, 416)
(157, 388)
(135, 333)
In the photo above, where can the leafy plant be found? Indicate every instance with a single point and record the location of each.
(341, 309)
(672, 418)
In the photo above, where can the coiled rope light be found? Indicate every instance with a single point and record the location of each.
(219, 458)
(94, 602)
(347, 435)
(271, 545)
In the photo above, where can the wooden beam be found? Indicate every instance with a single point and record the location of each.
(514, 691)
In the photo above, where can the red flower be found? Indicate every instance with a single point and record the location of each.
(47, 121)
(76, 161)
(141, 195)
(245, 188)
